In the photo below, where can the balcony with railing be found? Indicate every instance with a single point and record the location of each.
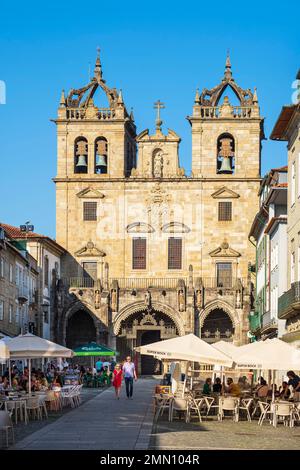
(216, 112)
(102, 114)
(289, 302)
(213, 283)
(80, 282)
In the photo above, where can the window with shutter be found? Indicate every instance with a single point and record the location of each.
(224, 275)
(90, 211)
(139, 253)
(175, 253)
(225, 211)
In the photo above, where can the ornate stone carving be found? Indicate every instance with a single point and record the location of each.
(224, 251)
(90, 193)
(181, 300)
(90, 249)
(212, 97)
(148, 319)
(225, 193)
(148, 299)
(114, 300)
(97, 299)
(158, 165)
(139, 227)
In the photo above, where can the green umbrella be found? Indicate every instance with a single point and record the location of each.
(94, 349)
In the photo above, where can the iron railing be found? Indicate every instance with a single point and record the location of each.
(147, 282)
(81, 282)
(288, 301)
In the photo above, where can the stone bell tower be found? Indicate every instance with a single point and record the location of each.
(226, 139)
(226, 153)
(95, 144)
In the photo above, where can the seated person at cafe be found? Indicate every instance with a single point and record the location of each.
(294, 381)
(232, 388)
(207, 387)
(284, 391)
(262, 389)
(217, 386)
(106, 376)
(4, 383)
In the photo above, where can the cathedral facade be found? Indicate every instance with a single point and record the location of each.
(150, 252)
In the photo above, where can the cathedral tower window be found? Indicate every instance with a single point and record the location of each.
(175, 253)
(139, 253)
(225, 211)
(101, 155)
(225, 154)
(81, 155)
(224, 275)
(90, 211)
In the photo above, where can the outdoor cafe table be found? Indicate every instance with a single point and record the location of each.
(21, 401)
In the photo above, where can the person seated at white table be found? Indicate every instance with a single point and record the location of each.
(284, 391)
(232, 388)
(262, 389)
(4, 384)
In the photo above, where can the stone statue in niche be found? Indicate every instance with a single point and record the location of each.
(135, 322)
(199, 298)
(238, 297)
(148, 299)
(97, 299)
(181, 301)
(158, 165)
(114, 300)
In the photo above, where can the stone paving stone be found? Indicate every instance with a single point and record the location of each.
(212, 434)
(101, 423)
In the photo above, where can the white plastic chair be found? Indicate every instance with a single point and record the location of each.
(33, 407)
(181, 405)
(265, 411)
(195, 405)
(6, 425)
(211, 404)
(229, 404)
(163, 402)
(284, 412)
(245, 405)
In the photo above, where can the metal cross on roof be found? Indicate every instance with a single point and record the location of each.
(158, 105)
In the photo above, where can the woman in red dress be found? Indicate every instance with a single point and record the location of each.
(117, 380)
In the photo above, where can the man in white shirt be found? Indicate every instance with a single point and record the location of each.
(129, 374)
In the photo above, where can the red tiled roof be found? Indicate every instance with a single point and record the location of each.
(282, 168)
(15, 232)
(286, 114)
(281, 185)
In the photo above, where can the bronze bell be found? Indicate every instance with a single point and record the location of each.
(225, 166)
(100, 161)
(81, 161)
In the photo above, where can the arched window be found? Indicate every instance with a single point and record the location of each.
(81, 155)
(101, 155)
(225, 154)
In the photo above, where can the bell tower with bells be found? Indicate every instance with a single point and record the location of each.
(226, 139)
(95, 146)
(96, 139)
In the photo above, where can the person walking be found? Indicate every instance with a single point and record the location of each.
(129, 374)
(117, 380)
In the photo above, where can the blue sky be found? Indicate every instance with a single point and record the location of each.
(156, 50)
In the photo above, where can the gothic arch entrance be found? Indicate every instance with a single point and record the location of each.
(217, 325)
(140, 328)
(80, 329)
